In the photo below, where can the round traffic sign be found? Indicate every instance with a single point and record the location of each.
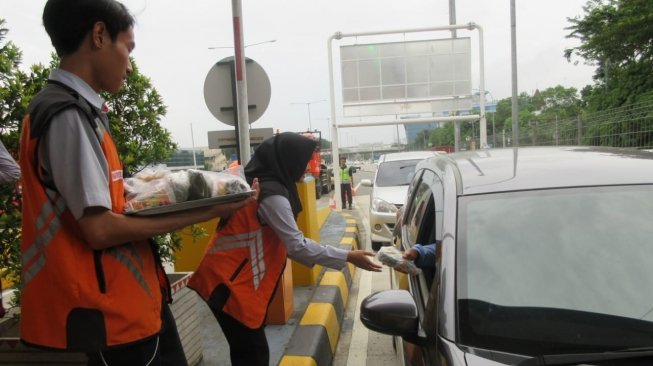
(219, 88)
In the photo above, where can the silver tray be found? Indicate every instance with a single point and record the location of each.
(188, 205)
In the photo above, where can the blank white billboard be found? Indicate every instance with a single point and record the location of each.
(406, 77)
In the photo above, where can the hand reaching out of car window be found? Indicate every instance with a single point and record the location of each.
(422, 255)
(410, 254)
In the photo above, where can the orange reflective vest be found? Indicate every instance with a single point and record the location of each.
(241, 267)
(76, 298)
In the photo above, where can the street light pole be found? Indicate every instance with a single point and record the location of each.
(513, 67)
(308, 107)
(310, 127)
(192, 140)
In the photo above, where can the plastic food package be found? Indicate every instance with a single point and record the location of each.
(392, 257)
(158, 186)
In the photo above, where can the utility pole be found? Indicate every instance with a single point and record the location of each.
(515, 101)
(452, 16)
(452, 21)
(241, 83)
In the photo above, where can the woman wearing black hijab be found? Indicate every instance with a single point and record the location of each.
(246, 256)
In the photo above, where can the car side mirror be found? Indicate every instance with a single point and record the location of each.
(392, 312)
(366, 183)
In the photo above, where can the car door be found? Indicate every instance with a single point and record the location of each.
(422, 224)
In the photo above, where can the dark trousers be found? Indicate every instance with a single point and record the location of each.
(247, 347)
(163, 350)
(345, 194)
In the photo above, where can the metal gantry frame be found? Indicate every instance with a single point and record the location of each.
(455, 119)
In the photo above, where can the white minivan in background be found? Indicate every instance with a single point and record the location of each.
(394, 173)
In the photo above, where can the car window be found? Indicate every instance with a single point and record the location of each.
(416, 212)
(424, 220)
(395, 173)
(423, 213)
(556, 271)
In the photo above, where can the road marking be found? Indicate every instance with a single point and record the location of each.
(360, 334)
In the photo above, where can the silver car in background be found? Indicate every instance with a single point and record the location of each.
(394, 173)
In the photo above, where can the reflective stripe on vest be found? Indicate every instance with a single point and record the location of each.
(254, 241)
(41, 242)
(223, 278)
(134, 269)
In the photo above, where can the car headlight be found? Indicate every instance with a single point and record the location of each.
(380, 205)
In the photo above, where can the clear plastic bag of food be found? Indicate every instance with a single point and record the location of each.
(392, 257)
(158, 186)
(149, 188)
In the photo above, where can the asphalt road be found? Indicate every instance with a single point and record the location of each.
(359, 346)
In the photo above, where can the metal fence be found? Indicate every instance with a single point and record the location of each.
(628, 126)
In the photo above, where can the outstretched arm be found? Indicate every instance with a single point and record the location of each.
(275, 211)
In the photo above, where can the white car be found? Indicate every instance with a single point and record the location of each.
(394, 173)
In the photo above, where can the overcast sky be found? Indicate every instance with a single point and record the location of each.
(173, 37)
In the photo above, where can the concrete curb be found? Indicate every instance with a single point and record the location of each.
(313, 343)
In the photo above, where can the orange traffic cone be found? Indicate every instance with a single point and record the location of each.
(332, 203)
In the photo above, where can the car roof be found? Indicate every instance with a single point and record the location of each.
(406, 155)
(499, 170)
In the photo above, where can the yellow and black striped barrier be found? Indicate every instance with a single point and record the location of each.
(314, 340)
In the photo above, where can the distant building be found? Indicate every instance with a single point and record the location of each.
(215, 160)
(205, 159)
(183, 159)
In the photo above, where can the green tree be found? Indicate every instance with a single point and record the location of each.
(443, 136)
(617, 37)
(558, 100)
(11, 105)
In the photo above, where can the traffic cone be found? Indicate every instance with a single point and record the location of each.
(332, 202)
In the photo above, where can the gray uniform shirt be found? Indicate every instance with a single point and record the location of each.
(9, 170)
(71, 153)
(275, 211)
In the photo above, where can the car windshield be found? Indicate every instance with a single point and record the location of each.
(395, 173)
(556, 271)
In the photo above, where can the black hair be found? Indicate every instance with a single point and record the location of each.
(67, 22)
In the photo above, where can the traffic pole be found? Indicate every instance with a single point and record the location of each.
(241, 84)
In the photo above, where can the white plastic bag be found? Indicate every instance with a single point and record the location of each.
(158, 186)
(149, 188)
(392, 257)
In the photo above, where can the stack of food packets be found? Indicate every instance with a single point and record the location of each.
(392, 257)
(158, 186)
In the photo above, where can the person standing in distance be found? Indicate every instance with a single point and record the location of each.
(92, 278)
(346, 183)
(246, 255)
